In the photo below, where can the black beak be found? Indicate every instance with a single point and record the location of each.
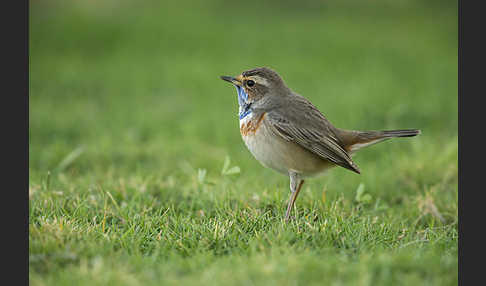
(230, 79)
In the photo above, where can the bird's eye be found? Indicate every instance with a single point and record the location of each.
(250, 83)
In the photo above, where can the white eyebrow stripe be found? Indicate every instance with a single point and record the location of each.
(259, 80)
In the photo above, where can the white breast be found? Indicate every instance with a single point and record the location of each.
(261, 144)
(276, 153)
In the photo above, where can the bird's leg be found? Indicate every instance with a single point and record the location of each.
(295, 185)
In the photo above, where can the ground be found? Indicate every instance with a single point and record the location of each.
(138, 174)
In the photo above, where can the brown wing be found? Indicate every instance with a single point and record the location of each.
(311, 130)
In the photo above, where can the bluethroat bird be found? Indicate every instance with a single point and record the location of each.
(285, 132)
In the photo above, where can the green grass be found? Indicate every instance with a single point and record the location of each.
(130, 127)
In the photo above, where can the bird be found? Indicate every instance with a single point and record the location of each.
(285, 132)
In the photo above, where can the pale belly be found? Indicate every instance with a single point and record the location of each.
(276, 153)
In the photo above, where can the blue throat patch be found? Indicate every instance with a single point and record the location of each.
(245, 111)
(245, 107)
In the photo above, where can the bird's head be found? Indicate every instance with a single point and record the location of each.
(258, 87)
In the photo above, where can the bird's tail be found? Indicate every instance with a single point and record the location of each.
(400, 133)
(355, 140)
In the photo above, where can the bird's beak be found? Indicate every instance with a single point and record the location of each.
(238, 83)
(231, 79)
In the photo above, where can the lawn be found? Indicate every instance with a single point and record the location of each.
(138, 174)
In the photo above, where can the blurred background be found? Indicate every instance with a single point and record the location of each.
(123, 88)
(135, 84)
